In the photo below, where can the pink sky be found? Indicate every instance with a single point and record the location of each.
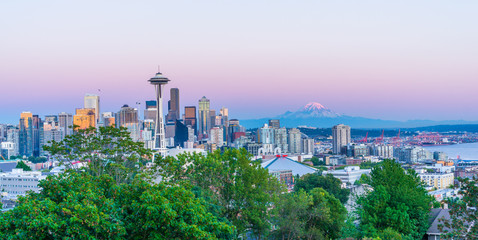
(367, 58)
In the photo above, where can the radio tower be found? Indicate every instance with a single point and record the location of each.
(159, 140)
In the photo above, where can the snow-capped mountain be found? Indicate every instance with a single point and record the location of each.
(312, 109)
(317, 115)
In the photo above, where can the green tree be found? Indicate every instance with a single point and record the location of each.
(313, 215)
(317, 162)
(23, 166)
(77, 205)
(238, 189)
(463, 214)
(398, 202)
(329, 183)
(349, 230)
(106, 150)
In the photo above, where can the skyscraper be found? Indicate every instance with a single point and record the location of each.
(217, 136)
(190, 118)
(295, 141)
(93, 101)
(65, 122)
(128, 117)
(26, 134)
(204, 117)
(340, 137)
(173, 113)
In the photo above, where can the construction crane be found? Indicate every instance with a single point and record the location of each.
(365, 139)
(380, 139)
(396, 141)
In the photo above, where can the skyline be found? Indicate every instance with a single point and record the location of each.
(391, 61)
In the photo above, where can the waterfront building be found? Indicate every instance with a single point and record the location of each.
(412, 154)
(340, 138)
(440, 156)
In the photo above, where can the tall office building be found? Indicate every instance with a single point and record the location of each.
(26, 134)
(84, 118)
(128, 117)
(295, 141)
(224, 112)
(173, 106)
(274, 123)
(217, 136)
(150, 111)
(212, 117)
(340, 137)
(308, 146)
(37, 125)
(65, 122)
(280, 139)
(204, 116)
(93, 101)
(190, 118)
(266, 135)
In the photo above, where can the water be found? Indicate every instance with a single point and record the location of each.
(466, 151)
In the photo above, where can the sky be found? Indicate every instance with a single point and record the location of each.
(395, 60)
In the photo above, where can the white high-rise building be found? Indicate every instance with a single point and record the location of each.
(295, 141)
(308, 146)
(340, 137)
(217, 136)
(266, 135)
(93, 101)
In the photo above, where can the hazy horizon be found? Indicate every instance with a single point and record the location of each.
(387, 60)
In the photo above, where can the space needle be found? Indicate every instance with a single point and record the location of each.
(159, 144)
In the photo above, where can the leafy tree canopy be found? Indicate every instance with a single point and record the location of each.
(77, 205)
(309, 215)
(106, 150)
(329, 183)
(398, 203)
(238, 189)
(463, 213)
(23, 166)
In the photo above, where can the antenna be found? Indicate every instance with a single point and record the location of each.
(158, 69)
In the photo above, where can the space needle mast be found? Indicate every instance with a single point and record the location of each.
(159, 139)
